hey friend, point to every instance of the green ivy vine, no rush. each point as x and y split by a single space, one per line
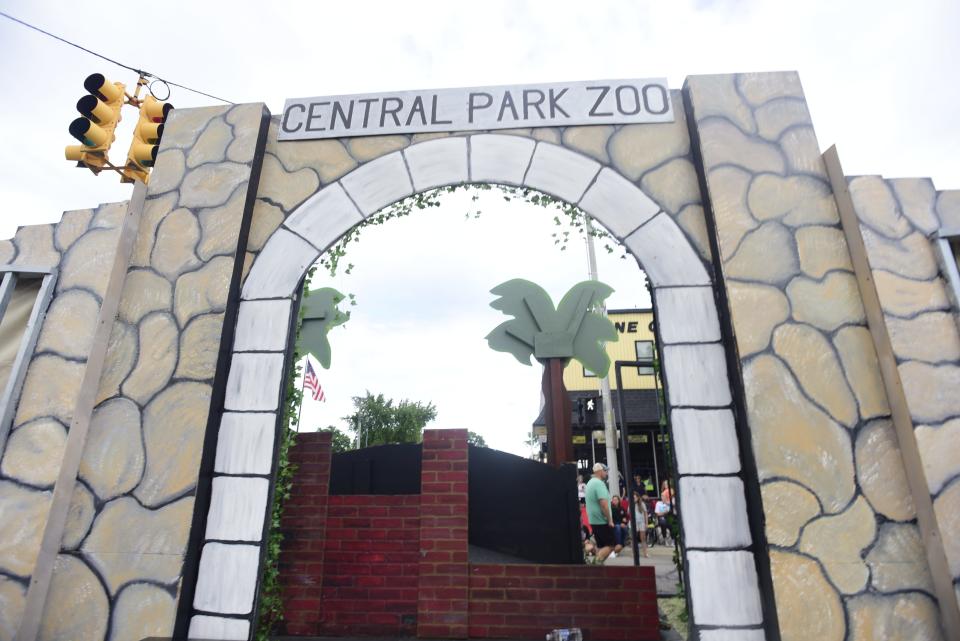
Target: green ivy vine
270 610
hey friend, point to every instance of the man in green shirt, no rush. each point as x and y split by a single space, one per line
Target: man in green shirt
598 511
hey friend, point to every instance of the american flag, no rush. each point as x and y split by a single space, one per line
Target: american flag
312 383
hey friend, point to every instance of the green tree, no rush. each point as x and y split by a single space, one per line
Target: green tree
341 442
377 420
475 439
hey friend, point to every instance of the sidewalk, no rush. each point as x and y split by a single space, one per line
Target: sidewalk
660 558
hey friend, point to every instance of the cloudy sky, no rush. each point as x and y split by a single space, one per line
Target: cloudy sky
880 78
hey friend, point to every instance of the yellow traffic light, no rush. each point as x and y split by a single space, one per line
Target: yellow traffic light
100 114
146 139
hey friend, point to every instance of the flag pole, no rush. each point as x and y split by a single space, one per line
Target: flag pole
303 386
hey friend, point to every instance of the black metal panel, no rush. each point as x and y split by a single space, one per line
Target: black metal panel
524 508
382 469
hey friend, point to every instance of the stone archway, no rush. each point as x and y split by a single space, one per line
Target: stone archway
723 579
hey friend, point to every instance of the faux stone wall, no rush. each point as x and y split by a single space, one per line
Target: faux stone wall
846 554
80 248
118 573
897 219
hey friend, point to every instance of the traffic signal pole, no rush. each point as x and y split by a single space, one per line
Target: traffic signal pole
609 425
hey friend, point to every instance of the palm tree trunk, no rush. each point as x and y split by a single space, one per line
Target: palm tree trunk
557 412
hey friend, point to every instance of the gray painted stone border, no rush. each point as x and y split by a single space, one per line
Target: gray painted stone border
699 391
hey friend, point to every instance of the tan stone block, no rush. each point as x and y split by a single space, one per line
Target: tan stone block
79 517
590 140
756 310
173 427
87 264
760 87
880 471
767 254
119 360
7 251
795 200
525 132
266 219
144 292
906 297
286 188
167 173
673 186
142 611
838 540
635 149
931 390
947 508
50 389
109 215
723 143
156 357
800 147
211 145
113 457
329 158
212 185
24 513
34 452
827 304
794 439
876 206
939 452
898 560
35 246
692 221
930 337
728 195
177 236
787 507
900 617
154 211
546 134
204 290
430 135
184 126
248 259
246 121
220 227
807 606
911 256
918 200
199 347
71 226
367 148
130 543
13 597
69 325
815 365
76 607
821 250
717 96
778 115
859 359
948 208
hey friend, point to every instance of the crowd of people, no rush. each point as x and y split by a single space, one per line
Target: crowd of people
605 519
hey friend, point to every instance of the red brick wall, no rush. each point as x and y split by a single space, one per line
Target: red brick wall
526 601
442 608
371 572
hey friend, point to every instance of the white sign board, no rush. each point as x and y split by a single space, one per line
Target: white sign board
601 102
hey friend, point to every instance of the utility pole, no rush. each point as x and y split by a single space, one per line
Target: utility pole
609 426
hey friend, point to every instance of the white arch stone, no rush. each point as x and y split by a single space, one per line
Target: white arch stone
695 361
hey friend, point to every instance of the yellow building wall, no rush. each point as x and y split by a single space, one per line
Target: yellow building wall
632 326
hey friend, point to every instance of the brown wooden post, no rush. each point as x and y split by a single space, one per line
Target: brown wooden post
557 410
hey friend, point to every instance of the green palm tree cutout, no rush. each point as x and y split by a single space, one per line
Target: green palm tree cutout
575 329
320 315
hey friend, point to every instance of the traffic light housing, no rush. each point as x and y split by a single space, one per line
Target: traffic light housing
95 129
146 139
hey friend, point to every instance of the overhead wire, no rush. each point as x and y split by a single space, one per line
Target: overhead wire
141 72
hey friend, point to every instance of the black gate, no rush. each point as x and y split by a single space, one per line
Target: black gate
382 469
524 508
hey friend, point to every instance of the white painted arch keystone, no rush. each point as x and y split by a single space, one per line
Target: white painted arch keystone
695 365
